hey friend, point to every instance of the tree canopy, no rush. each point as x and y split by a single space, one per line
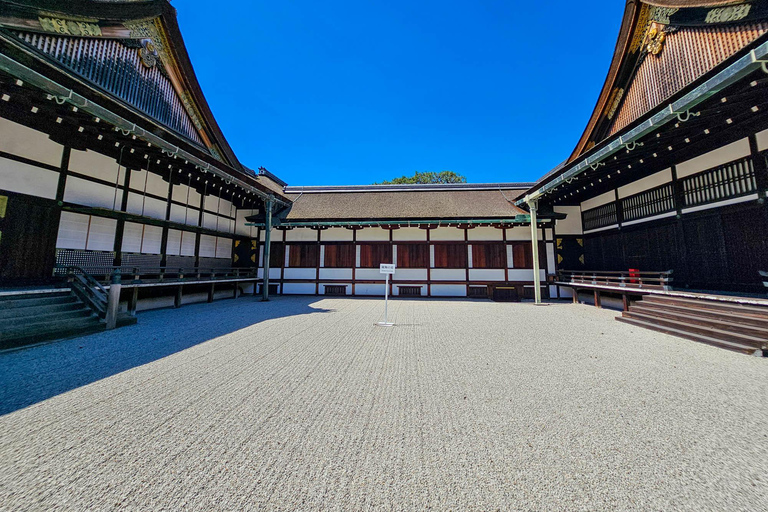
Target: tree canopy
426 177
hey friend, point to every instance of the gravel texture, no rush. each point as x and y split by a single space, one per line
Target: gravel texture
303 404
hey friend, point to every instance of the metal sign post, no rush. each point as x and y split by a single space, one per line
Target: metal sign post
388 269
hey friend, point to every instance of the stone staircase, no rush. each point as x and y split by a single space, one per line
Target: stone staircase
726 324
30 317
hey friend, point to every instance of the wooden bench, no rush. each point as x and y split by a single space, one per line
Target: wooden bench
623 282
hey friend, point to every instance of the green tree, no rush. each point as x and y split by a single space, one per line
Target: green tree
426 177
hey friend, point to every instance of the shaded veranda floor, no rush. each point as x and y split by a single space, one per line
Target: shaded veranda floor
302 404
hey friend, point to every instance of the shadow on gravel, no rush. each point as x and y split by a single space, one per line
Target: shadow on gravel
34 374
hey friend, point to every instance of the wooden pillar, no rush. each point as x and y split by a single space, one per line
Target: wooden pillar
760 166
317 266
625 301
63 171
598 303
133 301
177 299
164 241
120 228
354 264
267 246
211 290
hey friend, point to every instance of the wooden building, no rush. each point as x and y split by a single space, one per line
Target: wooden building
670 173
109 154
453 240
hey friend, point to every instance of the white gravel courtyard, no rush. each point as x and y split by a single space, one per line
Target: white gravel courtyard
303 404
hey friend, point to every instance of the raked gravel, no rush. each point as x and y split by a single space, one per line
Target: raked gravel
303 404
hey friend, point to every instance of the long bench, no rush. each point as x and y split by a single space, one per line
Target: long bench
623 282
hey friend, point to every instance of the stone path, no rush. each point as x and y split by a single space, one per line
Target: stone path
303 404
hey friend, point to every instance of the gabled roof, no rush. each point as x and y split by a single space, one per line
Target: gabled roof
415 202
663 46
132 50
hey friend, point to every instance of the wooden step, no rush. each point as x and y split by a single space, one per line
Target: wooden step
705 318
32 311
736 347
45 317
33 301
18 337
741 309
714 314
684 326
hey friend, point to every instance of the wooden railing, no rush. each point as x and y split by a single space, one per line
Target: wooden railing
618 279
88 289
167 275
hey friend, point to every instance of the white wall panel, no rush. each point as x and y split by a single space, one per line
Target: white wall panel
369 289
448 274
276 235
520 232
647 183
484 233
486 274
337 235
571 224
181 214
153 239
188 243
409 234
240 227
449 290
174 242
207 246
335 273
301 235
92 163
299 288
22 141
132 237
211 202
725 154
445 234
101 234
762 140
368 274
73 231
410 274
210 220
86 193
600 200
372 235
274 273
224 248
28 179
299 273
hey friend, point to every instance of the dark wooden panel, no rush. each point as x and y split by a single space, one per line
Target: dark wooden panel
450 256
705 251
372 255
413 256
304 255
489 255
339 256
277 254
746 246
28 230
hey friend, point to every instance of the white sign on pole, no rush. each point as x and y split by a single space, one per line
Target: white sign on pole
388 269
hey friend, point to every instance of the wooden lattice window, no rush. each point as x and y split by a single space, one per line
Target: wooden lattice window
304 255
734 179
372 255
450 256
409 291
339 256
648 203
599 217
489 255
413 255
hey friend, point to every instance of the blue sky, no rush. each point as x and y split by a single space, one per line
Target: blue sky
349 92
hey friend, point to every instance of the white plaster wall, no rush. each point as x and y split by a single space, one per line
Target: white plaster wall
188 243
484 233
301 235
448 274
410 274
372 235
336 235
446 234
449 290
86 193
725 154
409 234
647 183
299 288
571 225
101 234
224 248
762 140
600 200
174 242
73 230
510 257
132 236
240 227
181 214
367 274
274 273
335 273
28 179
551 257
524 274
153 239
299 273
19 140
369 289
276 235
209 220
97 165
149 207
207 246
519 233
486 274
